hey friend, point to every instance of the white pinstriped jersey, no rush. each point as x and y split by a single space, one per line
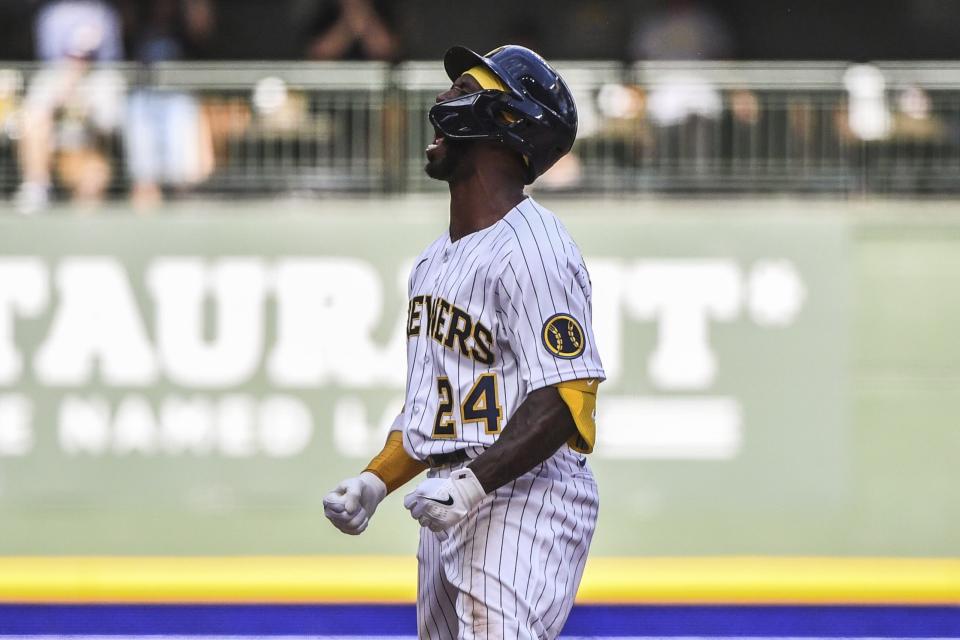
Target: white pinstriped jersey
512 568
492 317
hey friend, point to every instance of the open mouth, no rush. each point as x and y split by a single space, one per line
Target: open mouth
435 144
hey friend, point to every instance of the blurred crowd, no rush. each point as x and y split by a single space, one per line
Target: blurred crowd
78 102
83 118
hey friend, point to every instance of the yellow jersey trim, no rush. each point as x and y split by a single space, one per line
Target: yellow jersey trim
379 579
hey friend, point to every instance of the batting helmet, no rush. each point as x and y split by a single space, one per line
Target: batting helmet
536 117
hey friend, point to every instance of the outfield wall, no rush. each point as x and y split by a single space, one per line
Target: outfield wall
784 378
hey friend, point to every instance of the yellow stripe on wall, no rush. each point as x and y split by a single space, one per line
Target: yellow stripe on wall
368 579
758 580
333 579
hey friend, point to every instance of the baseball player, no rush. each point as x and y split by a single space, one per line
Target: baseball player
502 369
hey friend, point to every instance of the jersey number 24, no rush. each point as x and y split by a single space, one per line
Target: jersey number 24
482 405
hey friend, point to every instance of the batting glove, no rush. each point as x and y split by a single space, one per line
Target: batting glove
352 503
440 503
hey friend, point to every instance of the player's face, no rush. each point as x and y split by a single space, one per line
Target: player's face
445 157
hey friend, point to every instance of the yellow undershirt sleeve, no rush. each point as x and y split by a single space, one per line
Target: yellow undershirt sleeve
580 396
394 465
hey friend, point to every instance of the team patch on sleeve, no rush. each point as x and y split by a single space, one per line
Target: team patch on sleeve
563 336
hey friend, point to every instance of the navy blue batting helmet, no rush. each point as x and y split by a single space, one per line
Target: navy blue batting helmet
536 117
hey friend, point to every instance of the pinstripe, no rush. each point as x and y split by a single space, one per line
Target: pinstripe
546 277
543 263
533 289
473 368
576 257
414 365
444 587
459 286
533 331
457 578
483 307
449 276
560 270
548 563
516 376
437 583
589 526
427 570
421 585
473 562
553 542
503 531
553 250
466 273
571 540
483 565
581 537
429 346
560 552
482 276
520 343
591 349
575 540
437 362
468 562
411 366
534 559
465 618
523 511
407 442
512 567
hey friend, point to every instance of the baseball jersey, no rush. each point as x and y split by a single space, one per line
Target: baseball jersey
492 317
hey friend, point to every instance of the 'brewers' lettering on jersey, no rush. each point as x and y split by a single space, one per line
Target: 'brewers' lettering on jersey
491 317
450 326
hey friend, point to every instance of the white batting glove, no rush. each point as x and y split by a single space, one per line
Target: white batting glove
440 503
352 503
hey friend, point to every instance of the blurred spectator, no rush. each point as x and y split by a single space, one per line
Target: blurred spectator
682 102
165 139
526 31
10 85
71 107
868 116
354 30
683 30
68 28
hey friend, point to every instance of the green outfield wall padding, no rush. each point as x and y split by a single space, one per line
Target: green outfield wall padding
783 377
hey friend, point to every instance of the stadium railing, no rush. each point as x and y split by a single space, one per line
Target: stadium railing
698 127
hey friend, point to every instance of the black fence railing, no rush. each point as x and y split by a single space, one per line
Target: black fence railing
264 128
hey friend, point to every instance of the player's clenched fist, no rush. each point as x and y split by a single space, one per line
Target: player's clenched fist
352 503
440 503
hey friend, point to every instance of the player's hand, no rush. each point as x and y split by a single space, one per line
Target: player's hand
440 503
352 503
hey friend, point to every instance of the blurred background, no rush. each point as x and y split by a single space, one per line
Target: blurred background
208 210
147 100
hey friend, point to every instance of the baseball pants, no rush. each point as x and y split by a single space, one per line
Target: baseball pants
511 569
